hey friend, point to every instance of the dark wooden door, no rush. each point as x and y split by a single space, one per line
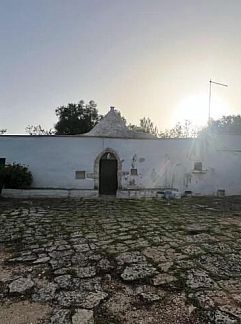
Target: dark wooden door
108 177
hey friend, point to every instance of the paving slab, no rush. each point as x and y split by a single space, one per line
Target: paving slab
122 261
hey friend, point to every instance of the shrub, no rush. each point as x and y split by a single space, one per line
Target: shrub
15 176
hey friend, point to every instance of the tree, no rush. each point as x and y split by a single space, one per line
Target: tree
38 130
145 126
2 131
185 130
230 124
76 118
15 176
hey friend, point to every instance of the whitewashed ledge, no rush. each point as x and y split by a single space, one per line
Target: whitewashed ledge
73 193
78 193
48 193
137 193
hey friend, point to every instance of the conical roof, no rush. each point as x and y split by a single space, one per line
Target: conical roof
112 125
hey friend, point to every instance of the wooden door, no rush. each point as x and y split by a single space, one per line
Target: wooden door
108 177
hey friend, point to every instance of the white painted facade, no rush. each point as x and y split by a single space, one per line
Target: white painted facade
159 163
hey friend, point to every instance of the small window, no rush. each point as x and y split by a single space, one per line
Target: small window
134 172
198 166
79 174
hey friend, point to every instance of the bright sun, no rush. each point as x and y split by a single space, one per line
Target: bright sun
195 109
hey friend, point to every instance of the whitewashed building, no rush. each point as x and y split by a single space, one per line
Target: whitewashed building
111 159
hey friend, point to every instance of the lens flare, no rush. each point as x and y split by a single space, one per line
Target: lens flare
195 109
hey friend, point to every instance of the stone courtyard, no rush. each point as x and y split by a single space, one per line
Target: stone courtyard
109 261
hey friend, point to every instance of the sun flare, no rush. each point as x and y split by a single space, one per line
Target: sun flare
195 109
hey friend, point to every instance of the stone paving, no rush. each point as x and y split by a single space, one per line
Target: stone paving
109 261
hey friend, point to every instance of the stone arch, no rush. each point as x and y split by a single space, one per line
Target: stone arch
97 163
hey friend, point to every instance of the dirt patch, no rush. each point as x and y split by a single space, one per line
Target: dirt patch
5 274
125 309
23 313
3 255
136 305
235 221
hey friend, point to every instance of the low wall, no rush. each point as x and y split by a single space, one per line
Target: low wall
72 193
137 193
48 193
75 193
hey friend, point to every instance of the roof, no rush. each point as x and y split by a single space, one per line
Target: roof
113 125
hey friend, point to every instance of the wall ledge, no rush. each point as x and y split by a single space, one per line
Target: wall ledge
48 193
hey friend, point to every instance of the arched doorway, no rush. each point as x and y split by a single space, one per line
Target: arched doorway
108 166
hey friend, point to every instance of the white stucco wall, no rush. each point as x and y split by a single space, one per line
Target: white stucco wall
53 161
222 158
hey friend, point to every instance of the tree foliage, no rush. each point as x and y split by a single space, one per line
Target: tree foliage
79 118
38 130
180 130
15 176
226 125
3 131
76 118
230 124
145 126
148 127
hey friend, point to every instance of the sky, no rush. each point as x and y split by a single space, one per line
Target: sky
148 58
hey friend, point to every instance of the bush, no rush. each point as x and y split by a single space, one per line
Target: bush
15 176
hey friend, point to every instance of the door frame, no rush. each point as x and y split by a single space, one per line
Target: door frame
96 168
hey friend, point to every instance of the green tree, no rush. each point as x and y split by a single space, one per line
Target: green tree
185 130
15 176
148 127
76 118
180 130
145 126
230 124
38 130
